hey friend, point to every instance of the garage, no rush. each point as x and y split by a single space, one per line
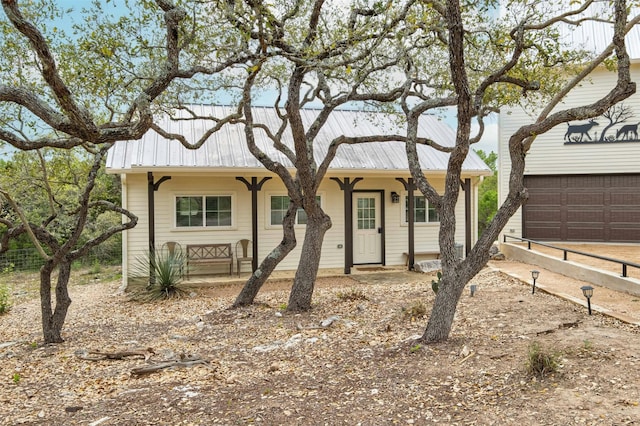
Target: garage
602 208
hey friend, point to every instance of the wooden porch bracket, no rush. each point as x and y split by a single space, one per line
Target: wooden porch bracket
347 187
254 186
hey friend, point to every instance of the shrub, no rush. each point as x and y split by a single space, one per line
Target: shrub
5 302
542 362
167 268
416 310
352 295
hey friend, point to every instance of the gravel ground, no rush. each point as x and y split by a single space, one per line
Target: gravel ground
351 360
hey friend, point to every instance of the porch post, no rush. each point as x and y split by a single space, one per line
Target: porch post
151 213
467 216
254 187
410 187
347 188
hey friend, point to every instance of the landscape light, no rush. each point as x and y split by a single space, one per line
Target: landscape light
534 274
473 288
587 290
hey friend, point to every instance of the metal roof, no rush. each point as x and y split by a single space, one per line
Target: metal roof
227 149
596 36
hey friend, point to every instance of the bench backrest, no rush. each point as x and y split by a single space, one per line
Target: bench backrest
208 251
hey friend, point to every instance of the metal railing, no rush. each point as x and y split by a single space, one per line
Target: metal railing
564 250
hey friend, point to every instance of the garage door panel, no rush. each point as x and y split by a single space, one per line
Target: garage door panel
585 199
583 208
625 216
574 215
542 215
544 182
545 198
625 198
629 181
625 235
577 233
547 232
585 181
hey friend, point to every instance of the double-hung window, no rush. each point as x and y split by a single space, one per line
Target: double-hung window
279 206
209 211
422 211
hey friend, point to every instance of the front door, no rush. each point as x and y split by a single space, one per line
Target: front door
367 228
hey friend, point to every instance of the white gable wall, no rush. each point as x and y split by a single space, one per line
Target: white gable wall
550 156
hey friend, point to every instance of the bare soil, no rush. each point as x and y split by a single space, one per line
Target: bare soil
262 365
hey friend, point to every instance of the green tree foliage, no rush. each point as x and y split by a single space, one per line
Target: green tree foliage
47 184
82 88
487 192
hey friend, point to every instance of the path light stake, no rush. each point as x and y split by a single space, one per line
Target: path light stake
587 290
473 288
534 274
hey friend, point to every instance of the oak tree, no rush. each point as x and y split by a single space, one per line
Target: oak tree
487 61
320 54
83 86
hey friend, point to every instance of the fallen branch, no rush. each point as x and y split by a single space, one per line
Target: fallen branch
183 362
466 357
99 355
560 326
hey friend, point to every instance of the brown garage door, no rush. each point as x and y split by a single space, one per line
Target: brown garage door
582 208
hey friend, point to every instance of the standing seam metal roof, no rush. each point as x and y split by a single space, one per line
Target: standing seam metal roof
227 149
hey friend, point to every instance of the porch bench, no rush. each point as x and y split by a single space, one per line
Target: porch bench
435 253
209 254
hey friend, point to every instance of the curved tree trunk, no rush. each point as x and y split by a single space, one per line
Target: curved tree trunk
53 318
456 274
260 276
444 309
302 291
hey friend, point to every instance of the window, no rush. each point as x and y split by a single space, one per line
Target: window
366 209
279 207
203 211
422 211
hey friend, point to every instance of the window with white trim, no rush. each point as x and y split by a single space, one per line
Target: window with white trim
280 204
209 211
422 211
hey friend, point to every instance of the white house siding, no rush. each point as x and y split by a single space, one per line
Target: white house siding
136 240
550 156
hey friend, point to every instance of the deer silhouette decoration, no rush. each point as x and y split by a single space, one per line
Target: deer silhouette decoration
580 129
628 132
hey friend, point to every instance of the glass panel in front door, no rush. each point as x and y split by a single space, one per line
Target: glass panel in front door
366 213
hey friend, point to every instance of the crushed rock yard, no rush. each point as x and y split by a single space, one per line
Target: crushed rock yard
351 360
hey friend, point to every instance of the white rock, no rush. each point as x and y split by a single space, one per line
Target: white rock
327 322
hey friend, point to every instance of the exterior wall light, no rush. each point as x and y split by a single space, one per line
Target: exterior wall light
395 197
587 290
534 274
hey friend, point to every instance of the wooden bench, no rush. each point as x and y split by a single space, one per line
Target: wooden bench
435 253
209 254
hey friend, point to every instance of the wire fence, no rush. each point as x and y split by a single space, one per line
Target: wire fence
30 259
